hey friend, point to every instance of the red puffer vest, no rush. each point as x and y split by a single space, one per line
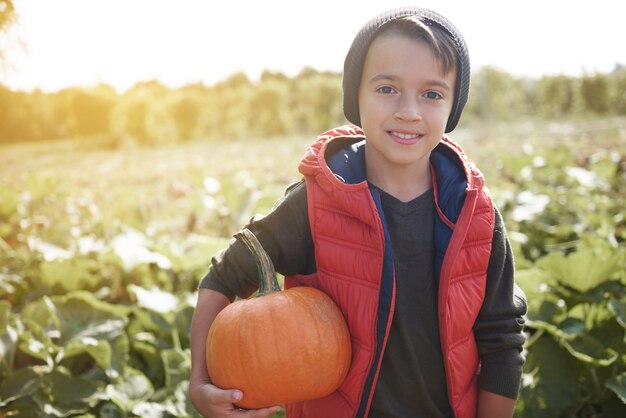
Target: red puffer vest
354 265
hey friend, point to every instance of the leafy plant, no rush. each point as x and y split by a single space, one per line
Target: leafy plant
98 276
576 326
574 277
65 355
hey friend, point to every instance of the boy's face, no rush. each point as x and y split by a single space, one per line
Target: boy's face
404 102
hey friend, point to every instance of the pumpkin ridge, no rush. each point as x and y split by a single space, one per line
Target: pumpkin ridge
311 320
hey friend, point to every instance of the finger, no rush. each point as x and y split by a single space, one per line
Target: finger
226 395
215 402
235 395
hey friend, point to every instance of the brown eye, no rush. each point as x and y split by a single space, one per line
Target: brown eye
433 95
385 90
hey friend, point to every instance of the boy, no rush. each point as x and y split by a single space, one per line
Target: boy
395 225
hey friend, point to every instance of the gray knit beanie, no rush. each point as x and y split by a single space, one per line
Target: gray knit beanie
353 64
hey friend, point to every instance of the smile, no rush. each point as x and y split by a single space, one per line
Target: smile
405 138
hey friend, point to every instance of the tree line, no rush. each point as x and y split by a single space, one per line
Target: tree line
276 104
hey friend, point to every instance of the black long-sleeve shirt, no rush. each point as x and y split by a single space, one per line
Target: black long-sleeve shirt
412 378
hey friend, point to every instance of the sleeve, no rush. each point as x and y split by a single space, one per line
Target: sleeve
285 235
499 326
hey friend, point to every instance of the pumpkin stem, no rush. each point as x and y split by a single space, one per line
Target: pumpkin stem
267 274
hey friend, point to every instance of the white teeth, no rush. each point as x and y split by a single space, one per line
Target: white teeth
404 136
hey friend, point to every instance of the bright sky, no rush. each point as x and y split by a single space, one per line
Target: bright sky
60 43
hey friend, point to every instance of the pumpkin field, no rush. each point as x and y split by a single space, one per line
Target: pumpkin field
102 247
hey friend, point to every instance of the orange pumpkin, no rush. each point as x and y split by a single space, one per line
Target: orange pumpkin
280 347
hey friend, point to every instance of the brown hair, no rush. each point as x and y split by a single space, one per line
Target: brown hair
441 44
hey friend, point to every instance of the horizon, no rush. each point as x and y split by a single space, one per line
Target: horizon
254 80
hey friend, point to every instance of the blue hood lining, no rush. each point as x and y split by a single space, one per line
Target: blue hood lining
346 159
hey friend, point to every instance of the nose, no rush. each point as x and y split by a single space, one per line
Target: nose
408 109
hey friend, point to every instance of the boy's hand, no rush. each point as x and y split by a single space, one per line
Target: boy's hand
208 399
213 402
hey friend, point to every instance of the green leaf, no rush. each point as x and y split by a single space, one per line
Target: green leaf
582 270
182 324
549 366
66 275
82 315
618 385
75 312
548 312
132 388
168 402
536 284
85 325
593 297
534 281
110 410
618 307
120 348
34 342
147 320
8 339
43 312
67 395
177 364
589 350
24 408
99 350
572 326
22 383
183 401
147 358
